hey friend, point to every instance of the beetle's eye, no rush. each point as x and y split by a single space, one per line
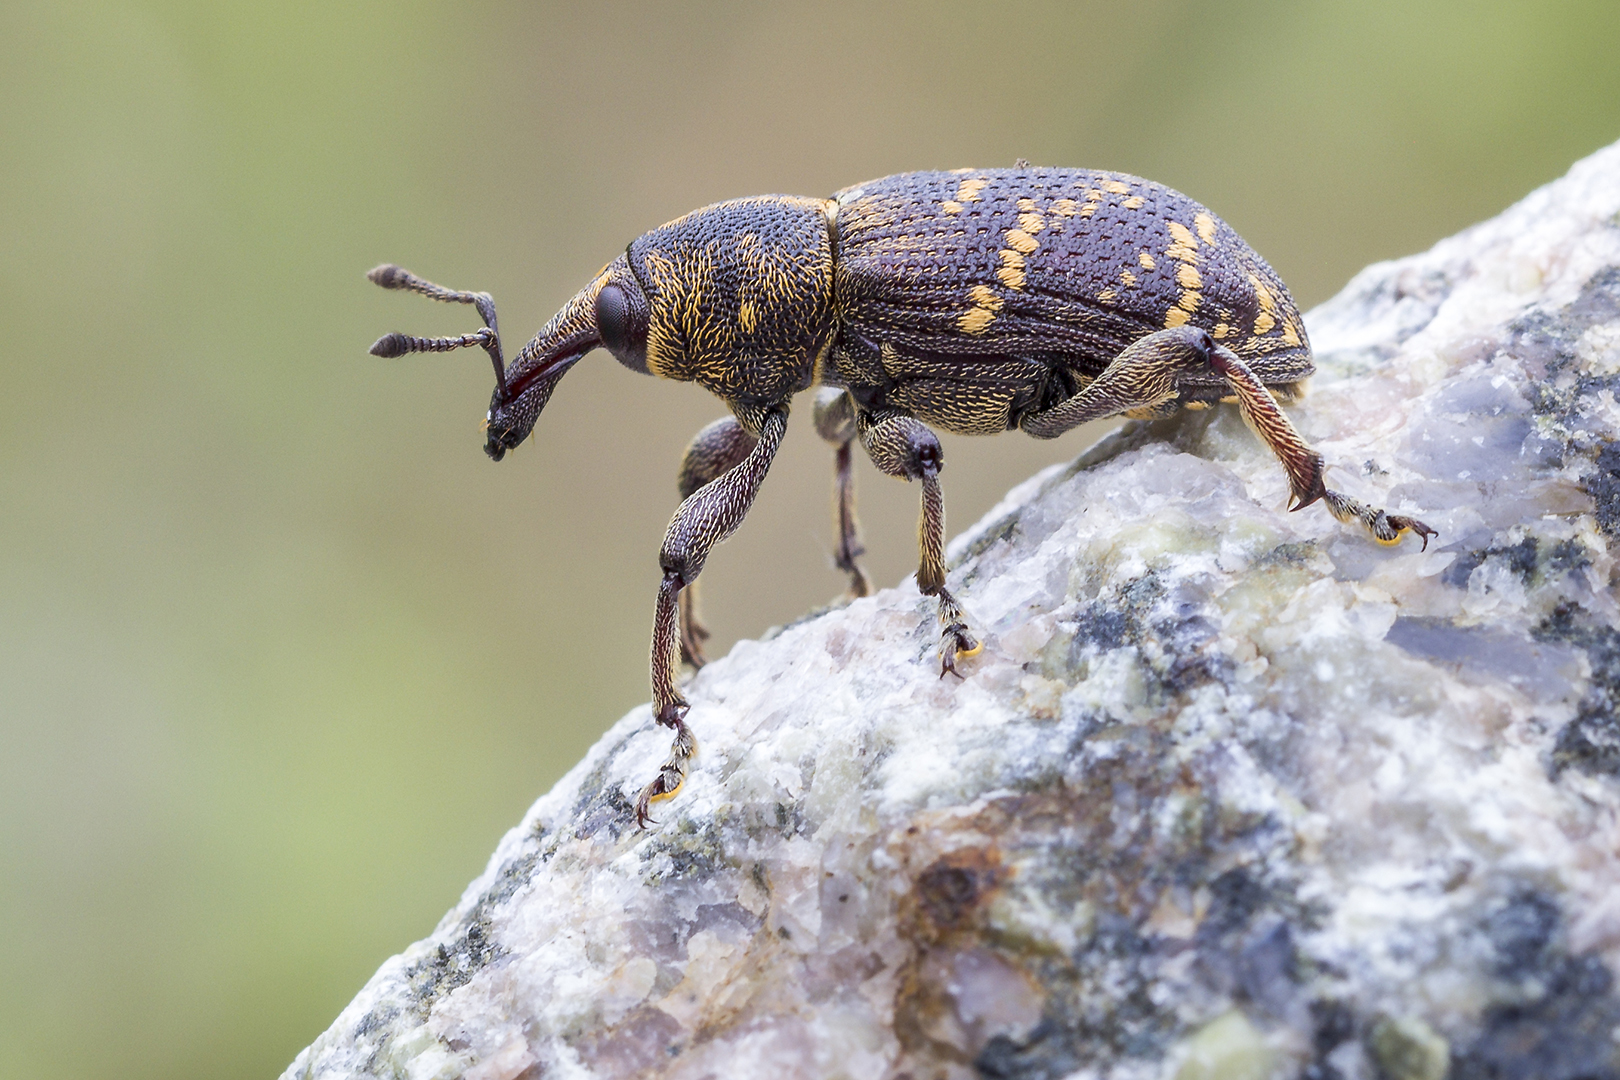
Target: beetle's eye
612 318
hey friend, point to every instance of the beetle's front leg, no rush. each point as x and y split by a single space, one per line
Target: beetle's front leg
835 422
706 517
712 451
903 446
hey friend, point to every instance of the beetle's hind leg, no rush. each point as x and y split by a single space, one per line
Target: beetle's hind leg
835 422
1303 464
902 446
712 451
707 516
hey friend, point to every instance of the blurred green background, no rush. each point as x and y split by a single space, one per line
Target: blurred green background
281 652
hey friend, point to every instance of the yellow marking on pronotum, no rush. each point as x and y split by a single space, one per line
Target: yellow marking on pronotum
1146 260
951 206
1127 277
1175 317
1135 202
1064 207
1012 268
1187 276
969 189
1189 300
1206 227
1019 240
1031 223
1116 187
1263 323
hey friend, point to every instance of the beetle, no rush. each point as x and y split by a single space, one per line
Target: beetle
977 301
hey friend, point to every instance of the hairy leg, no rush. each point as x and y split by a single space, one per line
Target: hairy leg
706 517
902 446
717 448
1143 379
835 422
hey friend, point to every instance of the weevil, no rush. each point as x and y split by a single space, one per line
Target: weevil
976 301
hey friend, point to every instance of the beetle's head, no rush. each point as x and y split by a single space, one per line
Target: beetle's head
611 311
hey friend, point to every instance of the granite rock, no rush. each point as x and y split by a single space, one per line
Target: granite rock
1231 792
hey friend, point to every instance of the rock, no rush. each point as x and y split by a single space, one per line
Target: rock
1231 792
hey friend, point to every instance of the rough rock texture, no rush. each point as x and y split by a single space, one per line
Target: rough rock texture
1231 792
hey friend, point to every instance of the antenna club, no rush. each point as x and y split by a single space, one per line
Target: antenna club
390 345
388 276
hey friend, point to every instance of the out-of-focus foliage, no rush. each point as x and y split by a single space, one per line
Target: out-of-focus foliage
281 652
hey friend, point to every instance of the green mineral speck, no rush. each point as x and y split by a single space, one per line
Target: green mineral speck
1409 1049
1227 1048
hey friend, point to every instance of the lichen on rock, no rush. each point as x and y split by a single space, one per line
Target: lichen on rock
1231 792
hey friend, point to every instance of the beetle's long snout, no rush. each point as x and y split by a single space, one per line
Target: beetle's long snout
535 372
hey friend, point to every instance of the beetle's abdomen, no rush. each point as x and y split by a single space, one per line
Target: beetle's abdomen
1063 263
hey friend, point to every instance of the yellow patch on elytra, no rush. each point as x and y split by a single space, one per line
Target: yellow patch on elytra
1116 187
974 320
1019 240
1175 317
984 297
1187 276
1220 331
1189 301
1031 223
1268 303
985 305
1135 202
1012 268
1106 295
747 317
951 206
1290 335
1146 260
1088 209
1263 323
1183 244
1064 207
1027 205
1127 277
1205 226
968 190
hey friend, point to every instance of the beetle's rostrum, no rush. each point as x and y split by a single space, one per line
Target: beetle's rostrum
978 301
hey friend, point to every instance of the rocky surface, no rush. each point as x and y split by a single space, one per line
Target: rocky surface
1231 792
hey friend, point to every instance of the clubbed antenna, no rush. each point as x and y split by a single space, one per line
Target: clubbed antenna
390 276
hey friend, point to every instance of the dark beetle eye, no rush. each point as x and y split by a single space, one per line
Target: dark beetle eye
612 318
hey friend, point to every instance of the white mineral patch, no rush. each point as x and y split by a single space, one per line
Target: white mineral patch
1231 792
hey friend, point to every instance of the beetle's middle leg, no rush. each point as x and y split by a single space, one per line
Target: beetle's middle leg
902 446
835 422
712 451
706 517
